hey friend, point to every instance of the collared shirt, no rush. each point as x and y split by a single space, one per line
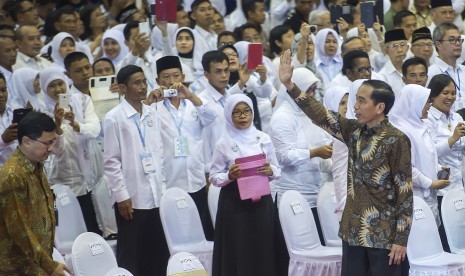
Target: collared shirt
123 149
422 20
38 63
391 76
6 149
185 172
148 66
27 227
7 74
70 162
328 72
378 211
207 41
458 75
441 128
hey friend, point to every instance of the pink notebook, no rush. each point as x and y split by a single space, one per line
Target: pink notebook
252 185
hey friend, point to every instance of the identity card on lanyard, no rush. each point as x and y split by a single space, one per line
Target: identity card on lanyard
146 157
181 143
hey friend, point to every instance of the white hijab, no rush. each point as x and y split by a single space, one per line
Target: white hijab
320 46
333 97
406 116
242 48
188 68
350 114
118 36
55 44
46 77
22 86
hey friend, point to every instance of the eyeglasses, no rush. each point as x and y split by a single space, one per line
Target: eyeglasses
398 45
238 113
48 143
226 44
452 40
422 44
365 69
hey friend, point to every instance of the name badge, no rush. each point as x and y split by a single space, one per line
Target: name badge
181 146
147 163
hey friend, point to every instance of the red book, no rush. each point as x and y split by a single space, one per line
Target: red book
255 55
165 10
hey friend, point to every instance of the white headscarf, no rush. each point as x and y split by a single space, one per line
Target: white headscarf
303 78
406 116
55 44
118 36
350 114
22 86
242 48
333 97
46 77
240 136
188 66
320 46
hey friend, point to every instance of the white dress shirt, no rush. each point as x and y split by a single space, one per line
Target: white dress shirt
38 63
391 76
441 128
458 75
185 172
6 148
204 40
328 72
148 65
280 10
122 155
71 159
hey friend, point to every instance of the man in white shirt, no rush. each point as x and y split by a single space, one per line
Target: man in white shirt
29 45
8 53
422 45
71 164
415 71
396 47
8 130
183 119
133 164
441 12
448 43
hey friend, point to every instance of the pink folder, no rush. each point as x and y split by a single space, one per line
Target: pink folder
252 185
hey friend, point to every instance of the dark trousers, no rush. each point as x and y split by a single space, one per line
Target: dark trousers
88 211
442 231
201 201
141 246
364 261
318 225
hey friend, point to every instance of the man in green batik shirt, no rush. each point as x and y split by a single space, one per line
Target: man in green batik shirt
27 218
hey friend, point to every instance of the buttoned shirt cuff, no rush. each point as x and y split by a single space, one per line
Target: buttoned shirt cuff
121 195
203 107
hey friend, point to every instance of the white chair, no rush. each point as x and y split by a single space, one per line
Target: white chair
118 271
57 257
213 197
424 248
453 217
70 220
307 255
103 205
182 226
92 255
326 205
185 264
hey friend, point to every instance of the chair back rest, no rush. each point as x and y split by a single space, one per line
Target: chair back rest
180 219
70 219
423 240
103 204
57 257
213 197
92 255
118 271
297 221
326 205
453 217
185 264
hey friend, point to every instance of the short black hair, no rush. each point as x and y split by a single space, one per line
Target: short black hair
438 83
126 72
15 9
349 58
73 57
34 124
4 27
225 33
399 17
346 41
213 56
277 34
129 26
382 93
413 61
249 5
239 31
7 36
197 3
85 14
103 59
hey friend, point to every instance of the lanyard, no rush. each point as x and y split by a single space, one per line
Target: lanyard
142 137
177 123
457 84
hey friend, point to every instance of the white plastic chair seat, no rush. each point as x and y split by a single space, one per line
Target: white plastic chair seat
334 243
201 247
118 271
326 206
439 262
320 253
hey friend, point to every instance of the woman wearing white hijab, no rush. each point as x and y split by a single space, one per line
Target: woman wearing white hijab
113 45
407 113
53 82
328 58
247 233
61 45
25 89
300 145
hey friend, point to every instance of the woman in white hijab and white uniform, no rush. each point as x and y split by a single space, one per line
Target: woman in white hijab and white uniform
113 45
247 233
407 113
25 89
328 58
301 146
61 45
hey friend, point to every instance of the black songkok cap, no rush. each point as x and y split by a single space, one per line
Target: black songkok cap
441 3
168 62
421 33
394 35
